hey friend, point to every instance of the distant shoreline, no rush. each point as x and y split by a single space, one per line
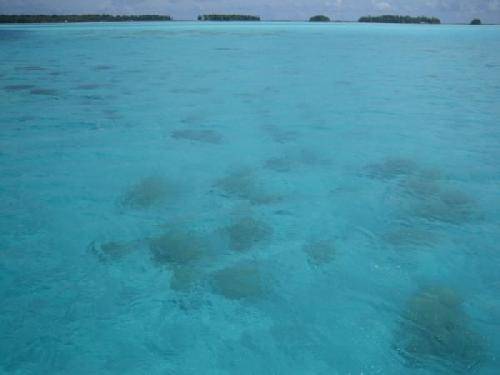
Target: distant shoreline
62 19
78 18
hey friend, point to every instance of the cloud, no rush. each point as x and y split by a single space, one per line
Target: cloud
447 10
381 5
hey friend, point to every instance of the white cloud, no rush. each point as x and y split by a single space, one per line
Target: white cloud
381 5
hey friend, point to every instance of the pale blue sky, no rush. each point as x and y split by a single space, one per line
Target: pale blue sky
447 10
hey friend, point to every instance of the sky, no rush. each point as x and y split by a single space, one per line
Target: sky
446 10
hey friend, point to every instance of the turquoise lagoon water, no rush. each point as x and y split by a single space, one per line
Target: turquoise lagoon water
272 198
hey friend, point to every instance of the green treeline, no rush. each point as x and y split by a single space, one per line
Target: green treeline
475 21
319 18
42 18
227 17
388 18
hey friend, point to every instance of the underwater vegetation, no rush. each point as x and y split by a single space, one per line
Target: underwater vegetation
31 68
148 192
103 67
110 251
309 158
391 168
434 199
185 278
420 186
410 236
243 184
247 232
48 92
436 328
286 163
279 135
177 248
88 86
111 114
184 252
320 252
12 88
445 204
431 196
239 281
199 135
281 164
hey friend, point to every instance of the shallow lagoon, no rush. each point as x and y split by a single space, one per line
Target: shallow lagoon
272 198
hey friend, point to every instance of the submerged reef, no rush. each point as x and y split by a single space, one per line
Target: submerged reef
47 92
177 247
320 253
243 184
435 328
279 135
246 233
281 164
185 278
148 192
419 186
447 205
239 281
428 195
89 86
103 67
434 199
11 88
410 236
288 162
111 250
391 168
31 68
199 135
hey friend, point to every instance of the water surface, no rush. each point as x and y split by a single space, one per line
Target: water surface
272 198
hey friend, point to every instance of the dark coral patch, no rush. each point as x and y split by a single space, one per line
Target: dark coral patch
149 192
185 278
103 67
436 328
450 206
46 92
282 164
32 68
239 281
246 233
18 87
199 135
89 86
280 135
410 237
177 248
243 184
320 252
111 250
391 168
